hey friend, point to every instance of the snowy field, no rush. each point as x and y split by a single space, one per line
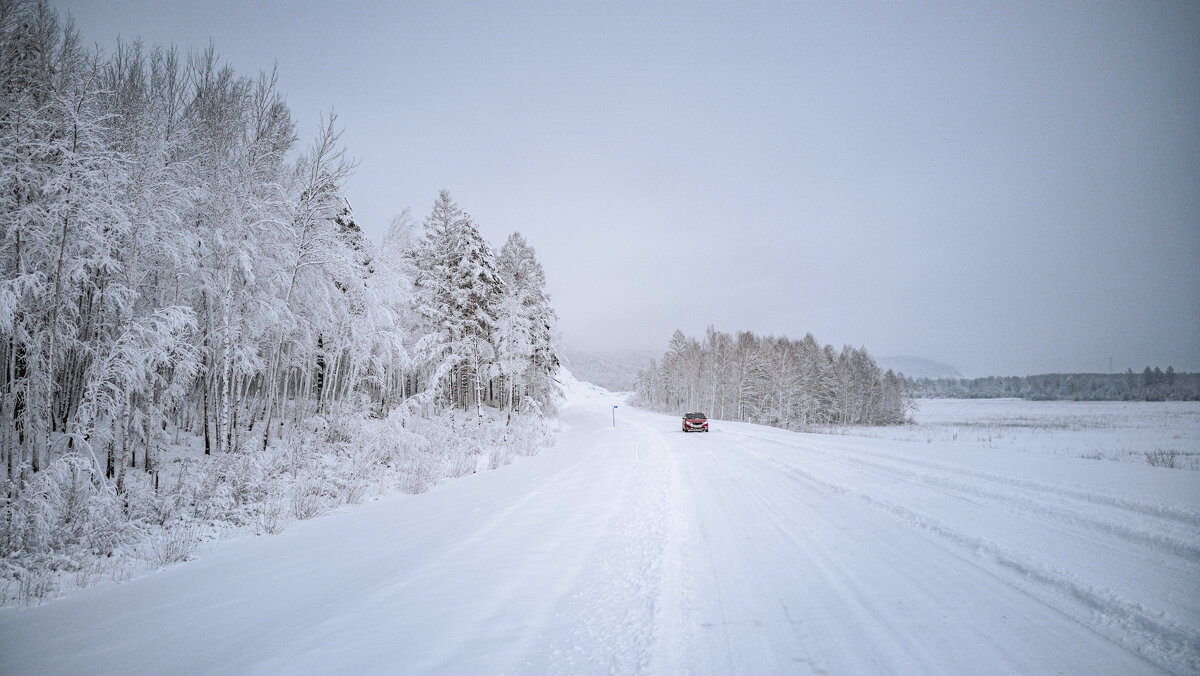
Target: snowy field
1161 433
639 549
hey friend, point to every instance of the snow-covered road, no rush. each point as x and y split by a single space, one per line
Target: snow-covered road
642 549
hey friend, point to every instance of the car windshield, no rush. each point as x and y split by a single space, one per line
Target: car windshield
695 416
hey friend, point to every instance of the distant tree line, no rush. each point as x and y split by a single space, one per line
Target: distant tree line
777 381
1152 384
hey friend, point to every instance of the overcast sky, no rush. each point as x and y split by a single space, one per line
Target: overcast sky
1006 187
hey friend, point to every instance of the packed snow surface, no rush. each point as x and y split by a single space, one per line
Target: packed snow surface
638 548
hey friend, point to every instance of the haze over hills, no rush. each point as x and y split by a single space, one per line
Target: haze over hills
614 370
918 367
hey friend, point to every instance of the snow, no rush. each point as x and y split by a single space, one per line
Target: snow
1098 430
638 548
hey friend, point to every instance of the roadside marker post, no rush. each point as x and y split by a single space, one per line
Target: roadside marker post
614 415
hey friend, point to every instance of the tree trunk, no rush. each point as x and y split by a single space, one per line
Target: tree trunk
124 460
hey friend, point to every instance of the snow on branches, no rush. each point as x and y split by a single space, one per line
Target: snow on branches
487 319
173 275
168 269
794 384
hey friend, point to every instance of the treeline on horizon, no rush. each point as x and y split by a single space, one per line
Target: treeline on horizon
776 381
1152 384
168 262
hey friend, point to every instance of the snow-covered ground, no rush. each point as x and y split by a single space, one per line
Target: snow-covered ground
1098 430
637 548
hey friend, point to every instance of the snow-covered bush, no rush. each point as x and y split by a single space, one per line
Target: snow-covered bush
69 525
1161 458
176 544
498 456
272 517
462 465
526 436
63 517
308 498
64 510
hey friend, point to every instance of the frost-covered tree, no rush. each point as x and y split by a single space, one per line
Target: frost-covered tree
58 217
140 198
461 291
526 356
392 283
173 270
317 253
169 266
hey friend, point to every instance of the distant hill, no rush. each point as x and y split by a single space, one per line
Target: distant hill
918 367
614 370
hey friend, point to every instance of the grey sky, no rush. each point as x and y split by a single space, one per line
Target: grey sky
1007 187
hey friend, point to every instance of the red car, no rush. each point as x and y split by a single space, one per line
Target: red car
695 422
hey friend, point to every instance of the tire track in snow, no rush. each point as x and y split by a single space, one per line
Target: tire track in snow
1142 631
720 634
673 609
837 447
475 542
777 505
1161 543
1183 515
609 618
806 578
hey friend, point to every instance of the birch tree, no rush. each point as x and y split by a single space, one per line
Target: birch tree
773 380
